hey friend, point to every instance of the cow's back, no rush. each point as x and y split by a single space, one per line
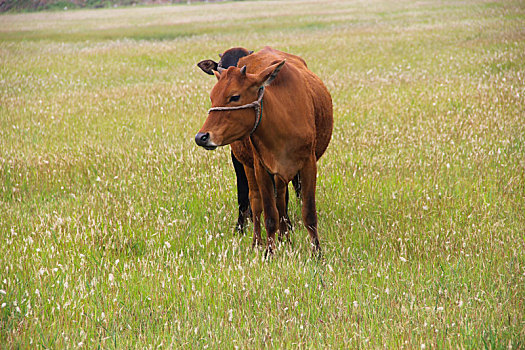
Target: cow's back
260 60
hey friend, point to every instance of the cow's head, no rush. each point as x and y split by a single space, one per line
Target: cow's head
229 58
235 87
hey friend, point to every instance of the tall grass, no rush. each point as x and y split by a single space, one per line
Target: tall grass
117 231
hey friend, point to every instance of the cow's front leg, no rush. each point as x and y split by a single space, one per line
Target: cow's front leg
308 182
256 204
271 215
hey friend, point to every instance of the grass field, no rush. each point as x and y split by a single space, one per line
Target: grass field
117 231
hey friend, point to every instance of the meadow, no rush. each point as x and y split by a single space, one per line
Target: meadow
117 231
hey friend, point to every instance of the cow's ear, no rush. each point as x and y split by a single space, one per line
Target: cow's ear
208 66
266 77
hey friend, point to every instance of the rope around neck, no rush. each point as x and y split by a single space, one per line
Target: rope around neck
257 105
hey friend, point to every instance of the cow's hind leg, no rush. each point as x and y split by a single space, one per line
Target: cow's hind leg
242 194
256 204
308 182
281 189
296 182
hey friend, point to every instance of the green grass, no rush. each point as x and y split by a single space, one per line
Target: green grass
117 231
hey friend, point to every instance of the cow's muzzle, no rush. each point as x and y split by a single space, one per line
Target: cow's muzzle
203 139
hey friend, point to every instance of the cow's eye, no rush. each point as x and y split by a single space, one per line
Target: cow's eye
235 98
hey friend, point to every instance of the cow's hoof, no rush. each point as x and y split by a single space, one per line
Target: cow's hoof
268 253
317 253
256 243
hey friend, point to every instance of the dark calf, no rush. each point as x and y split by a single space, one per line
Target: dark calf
228 59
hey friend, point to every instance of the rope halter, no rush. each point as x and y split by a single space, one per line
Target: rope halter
256 105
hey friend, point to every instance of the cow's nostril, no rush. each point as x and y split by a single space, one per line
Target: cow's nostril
202 138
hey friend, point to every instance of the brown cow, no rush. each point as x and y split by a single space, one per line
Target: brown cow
289 131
